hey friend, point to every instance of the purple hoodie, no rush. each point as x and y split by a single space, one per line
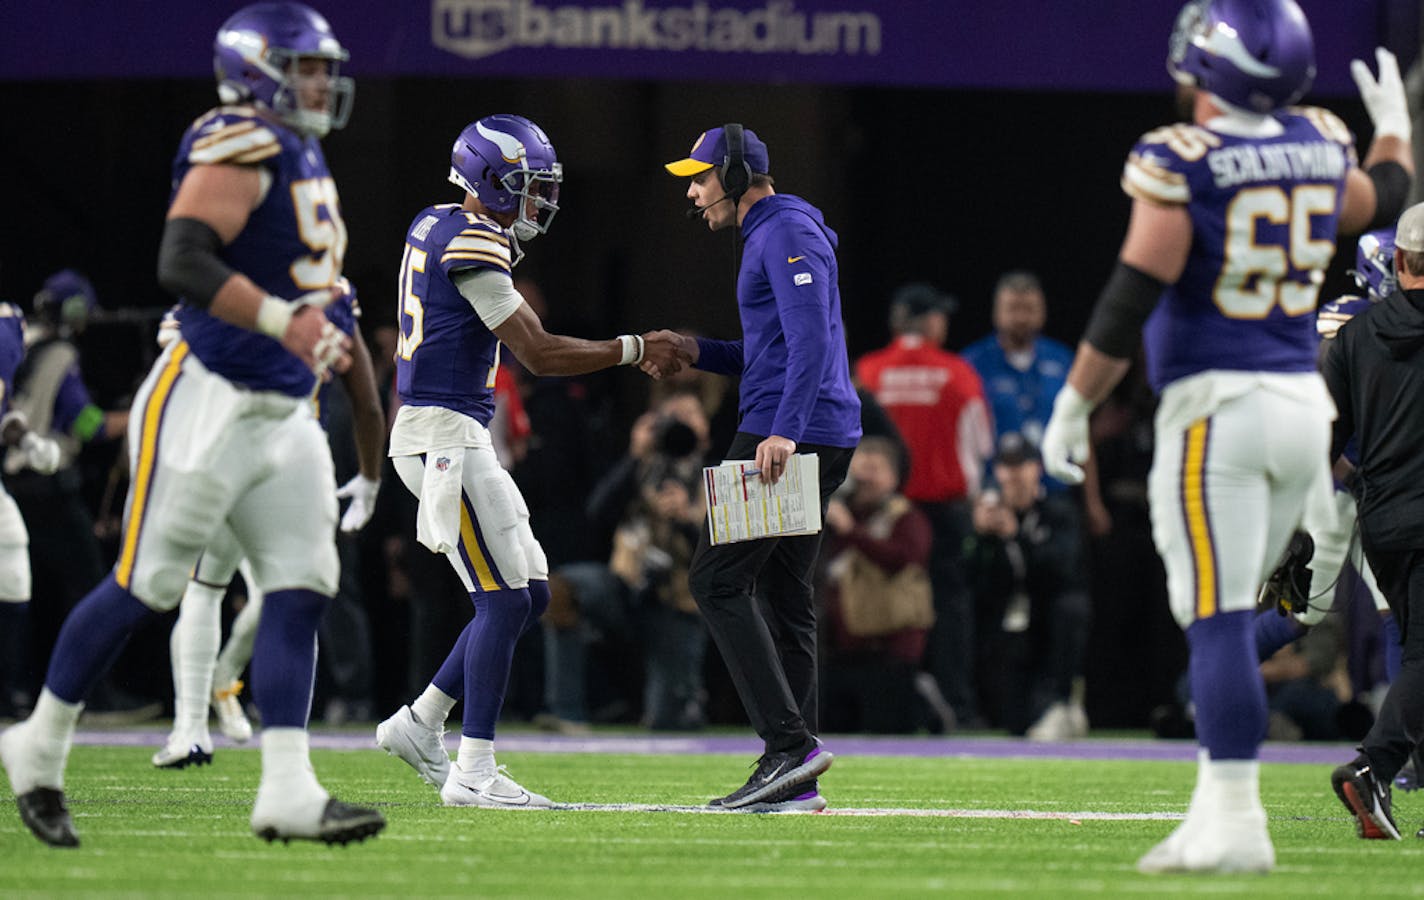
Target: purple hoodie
792 355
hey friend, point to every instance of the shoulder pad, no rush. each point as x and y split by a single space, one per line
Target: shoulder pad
1156 168
1330 126
235 135
1337 312
471 239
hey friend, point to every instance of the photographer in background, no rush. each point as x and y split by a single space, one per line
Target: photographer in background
1025 564
652 501
877 595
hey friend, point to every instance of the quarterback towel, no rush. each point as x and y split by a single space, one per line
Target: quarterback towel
437 521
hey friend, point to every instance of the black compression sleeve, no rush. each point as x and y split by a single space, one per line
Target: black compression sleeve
1124 305
188 262
1392 183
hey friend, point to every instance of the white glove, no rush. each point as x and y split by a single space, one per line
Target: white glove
1065 439
41 453
1385 99
362 492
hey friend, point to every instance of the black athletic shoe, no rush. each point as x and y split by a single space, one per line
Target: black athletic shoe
804 796
44 812
776 771
1408 778
341 823
1367 798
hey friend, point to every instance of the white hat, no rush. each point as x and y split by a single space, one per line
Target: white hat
1409 233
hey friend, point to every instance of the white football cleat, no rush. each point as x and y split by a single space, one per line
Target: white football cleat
419 745
232 721
493 789
1231 842
180 753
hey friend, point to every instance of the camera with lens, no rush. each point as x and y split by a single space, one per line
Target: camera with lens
676 453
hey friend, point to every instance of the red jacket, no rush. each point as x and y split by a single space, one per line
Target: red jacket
936 400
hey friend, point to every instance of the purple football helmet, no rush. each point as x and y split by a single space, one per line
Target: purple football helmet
507 161
255 59
1374 263
1256 55
65 300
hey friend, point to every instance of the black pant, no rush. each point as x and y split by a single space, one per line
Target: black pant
757 600
1400 724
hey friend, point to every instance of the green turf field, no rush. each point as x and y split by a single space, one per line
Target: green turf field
149 833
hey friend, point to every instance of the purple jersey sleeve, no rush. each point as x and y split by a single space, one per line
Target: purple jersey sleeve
12 350
71 400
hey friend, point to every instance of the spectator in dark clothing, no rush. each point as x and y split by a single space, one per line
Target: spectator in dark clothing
1025 561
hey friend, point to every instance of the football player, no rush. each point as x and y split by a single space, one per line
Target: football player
194 641
222 431
458 307
1234 219
43 455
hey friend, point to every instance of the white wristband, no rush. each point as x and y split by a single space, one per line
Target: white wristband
632 349
273 316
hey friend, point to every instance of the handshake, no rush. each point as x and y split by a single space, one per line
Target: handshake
665 353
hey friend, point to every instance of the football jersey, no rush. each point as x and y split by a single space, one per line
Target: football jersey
446 356
293 243
12 350
1264 210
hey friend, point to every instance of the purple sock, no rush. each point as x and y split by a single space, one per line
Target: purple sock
538 602
1393 648
93 636
1274 631
499 620
284 657
1226 686
451 677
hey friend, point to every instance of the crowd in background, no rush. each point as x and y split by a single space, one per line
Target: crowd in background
959 587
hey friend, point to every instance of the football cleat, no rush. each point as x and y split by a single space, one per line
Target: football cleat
1367 799
181 756
1224 843
45 813
340 823
419 745
232 721
775 771
493 789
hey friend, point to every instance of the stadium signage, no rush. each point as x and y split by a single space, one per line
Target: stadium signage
479 28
